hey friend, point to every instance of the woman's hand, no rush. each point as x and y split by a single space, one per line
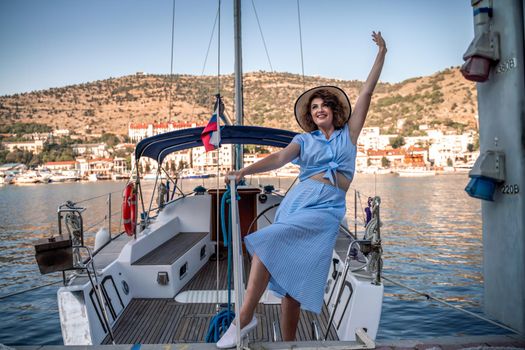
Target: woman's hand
360 111
238 176
378 39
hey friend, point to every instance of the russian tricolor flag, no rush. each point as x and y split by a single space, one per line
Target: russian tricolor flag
211 135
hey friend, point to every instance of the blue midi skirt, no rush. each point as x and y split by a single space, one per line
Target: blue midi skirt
297 248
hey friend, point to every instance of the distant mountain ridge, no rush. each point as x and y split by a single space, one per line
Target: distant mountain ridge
443 100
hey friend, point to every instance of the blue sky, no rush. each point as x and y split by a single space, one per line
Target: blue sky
55 43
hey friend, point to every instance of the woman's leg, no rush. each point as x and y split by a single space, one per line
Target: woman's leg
290 311
257 282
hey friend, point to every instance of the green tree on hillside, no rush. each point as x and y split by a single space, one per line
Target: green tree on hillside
24 128
255 149
19 156
385 163
51 153
182 165
109 139
3 154
397 141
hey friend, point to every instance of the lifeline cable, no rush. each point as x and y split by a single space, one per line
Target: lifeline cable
171 64
262 36
301 42
275 81
96 197
206 56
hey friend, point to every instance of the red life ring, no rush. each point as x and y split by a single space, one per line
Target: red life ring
129 202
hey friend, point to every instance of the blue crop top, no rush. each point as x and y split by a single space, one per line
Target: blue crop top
318 154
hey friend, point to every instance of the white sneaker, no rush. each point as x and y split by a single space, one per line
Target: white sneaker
229 338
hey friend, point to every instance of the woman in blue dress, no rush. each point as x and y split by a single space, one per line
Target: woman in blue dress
292 256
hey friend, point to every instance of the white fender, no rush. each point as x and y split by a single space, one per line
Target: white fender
102 237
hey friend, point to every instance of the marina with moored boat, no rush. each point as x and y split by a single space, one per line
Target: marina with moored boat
165 278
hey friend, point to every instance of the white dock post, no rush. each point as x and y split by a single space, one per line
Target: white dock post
501 106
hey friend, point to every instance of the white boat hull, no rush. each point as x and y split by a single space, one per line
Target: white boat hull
124 280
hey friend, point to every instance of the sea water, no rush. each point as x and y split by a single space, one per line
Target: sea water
431 232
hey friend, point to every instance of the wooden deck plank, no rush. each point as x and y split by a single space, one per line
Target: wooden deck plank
129 320
158 323
302 326
142 332
168 335
165 334
135 333
145 321
168 252
174 311
263 325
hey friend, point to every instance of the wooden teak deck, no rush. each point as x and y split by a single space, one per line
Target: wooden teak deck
166 321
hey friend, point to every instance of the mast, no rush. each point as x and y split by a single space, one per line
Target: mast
239 105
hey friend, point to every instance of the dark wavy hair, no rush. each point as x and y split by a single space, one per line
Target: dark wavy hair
335 105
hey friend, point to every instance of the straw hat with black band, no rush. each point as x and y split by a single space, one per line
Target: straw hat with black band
302 108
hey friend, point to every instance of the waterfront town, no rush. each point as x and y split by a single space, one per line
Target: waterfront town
435 151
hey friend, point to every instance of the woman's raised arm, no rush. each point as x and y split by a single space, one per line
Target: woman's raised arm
357 120
271 162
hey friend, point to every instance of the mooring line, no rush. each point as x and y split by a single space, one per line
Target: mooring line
28 290
429 296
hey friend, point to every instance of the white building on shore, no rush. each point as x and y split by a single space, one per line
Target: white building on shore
62 165
207 161
434 148
371 138
35 146
139 131
450 149
441 147
95 150
195 158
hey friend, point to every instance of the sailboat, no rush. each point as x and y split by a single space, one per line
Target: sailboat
165 279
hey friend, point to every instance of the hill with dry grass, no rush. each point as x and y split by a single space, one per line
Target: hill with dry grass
443 100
